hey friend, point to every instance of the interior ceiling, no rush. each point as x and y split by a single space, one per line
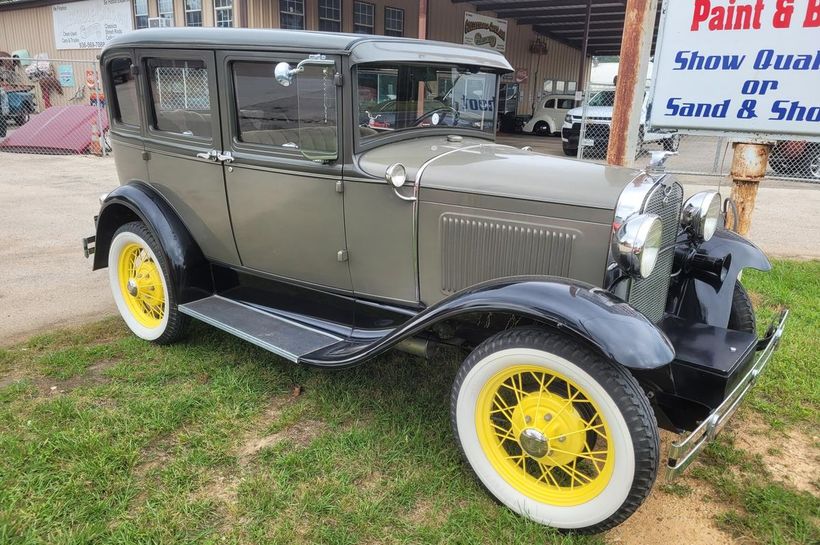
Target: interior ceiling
564 20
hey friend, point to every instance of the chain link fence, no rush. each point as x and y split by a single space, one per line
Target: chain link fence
587 137
52 106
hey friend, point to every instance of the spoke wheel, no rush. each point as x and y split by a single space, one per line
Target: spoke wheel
141 286
544 435
554 431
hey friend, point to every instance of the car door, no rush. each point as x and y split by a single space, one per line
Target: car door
182 134
283 184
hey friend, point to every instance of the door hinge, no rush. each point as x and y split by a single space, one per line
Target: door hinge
341 256
146 156
338 79
340 186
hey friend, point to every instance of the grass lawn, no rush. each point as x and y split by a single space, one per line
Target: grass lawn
108 439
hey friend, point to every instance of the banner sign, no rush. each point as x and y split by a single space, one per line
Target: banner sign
486 32
91 23
738 66
65 75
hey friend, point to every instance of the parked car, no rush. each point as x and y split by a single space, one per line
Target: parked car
593 304
796 158
549 115
21 102
599 119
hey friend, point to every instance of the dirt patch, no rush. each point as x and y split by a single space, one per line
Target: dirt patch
672 518
791 456
94 375
301 433
427 513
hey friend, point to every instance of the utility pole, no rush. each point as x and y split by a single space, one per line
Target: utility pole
582 70
636 44
749 164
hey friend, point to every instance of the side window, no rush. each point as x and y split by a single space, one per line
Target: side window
126 105
550 103
180 96
299 117
566 104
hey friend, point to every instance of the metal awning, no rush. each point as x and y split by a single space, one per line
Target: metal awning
564 20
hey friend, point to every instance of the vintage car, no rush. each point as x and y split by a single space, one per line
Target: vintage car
594 306
549 114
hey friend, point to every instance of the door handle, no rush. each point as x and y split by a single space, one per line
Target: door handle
225 157
208 155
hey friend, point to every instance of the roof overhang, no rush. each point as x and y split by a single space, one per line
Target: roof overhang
564 20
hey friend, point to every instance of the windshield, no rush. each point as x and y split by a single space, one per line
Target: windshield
394 97
604 98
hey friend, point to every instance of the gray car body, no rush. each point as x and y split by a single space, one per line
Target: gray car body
483 209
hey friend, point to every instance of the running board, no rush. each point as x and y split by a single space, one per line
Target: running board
283 337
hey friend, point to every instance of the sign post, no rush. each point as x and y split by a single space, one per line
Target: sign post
747 69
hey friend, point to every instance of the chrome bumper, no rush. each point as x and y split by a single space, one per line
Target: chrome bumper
687 447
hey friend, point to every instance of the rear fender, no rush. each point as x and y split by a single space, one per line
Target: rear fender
711 303
189 270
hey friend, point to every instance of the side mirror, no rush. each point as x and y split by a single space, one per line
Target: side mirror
285 75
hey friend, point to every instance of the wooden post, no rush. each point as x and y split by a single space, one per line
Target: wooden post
636 43
749 164
582 70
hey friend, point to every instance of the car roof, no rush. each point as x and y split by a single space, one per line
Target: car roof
360 47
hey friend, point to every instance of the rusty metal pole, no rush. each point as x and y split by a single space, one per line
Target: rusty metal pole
582 70
636 43
422 19
749 164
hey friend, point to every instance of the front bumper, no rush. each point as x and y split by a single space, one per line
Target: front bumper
687 446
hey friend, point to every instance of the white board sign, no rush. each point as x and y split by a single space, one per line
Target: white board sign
483 31
749 67
91 23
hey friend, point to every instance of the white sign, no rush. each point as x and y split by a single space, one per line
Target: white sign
91 23
740 66
483 31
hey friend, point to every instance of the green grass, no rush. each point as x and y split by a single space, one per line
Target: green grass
107 439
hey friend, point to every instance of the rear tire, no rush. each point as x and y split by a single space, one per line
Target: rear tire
522 406
542 128
141 285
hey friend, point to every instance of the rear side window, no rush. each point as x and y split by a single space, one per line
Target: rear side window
566 104
180 96
126 106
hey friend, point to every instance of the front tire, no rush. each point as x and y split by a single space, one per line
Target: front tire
141 285
554 431
742 313
570 152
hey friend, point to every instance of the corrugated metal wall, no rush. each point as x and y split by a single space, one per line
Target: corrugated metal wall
560 62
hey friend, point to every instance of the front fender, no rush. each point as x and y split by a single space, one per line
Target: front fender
189 270
617 330
711 304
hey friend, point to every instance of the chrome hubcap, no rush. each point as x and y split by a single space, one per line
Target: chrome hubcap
534 442
131 286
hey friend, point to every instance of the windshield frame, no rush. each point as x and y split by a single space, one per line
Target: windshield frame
361 145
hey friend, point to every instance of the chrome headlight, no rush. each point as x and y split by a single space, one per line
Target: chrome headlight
637 243
701 213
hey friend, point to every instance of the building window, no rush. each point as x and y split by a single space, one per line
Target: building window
364 17
393 21
330 15
223 13
193 12
141 14
166 9
292 14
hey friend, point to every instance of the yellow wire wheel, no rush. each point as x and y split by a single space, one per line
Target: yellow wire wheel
544 435
140 285
555 431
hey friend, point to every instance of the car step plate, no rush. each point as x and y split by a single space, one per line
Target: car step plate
278 335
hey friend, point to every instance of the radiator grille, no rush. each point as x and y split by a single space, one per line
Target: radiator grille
648 295
475 249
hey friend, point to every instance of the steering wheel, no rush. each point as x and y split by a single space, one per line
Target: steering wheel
442 113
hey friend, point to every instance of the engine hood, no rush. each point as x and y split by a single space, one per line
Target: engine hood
598 112
486 168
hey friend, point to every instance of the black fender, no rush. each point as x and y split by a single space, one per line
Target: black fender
189 270
609 324
710 302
